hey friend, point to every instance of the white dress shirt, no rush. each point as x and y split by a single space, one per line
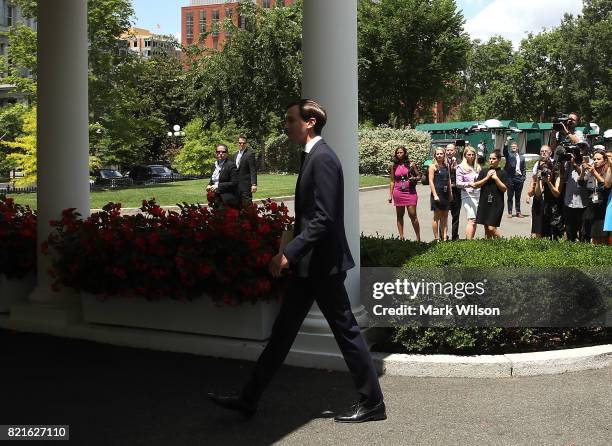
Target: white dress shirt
310 144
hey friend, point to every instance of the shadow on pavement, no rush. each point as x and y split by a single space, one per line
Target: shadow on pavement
111 395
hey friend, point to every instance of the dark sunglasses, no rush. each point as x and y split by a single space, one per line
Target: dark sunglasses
221 151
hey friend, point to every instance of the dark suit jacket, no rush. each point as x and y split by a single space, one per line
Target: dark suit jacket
510 166
247 171
319 247
228 184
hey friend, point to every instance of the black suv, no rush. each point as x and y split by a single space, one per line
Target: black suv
152 174
110 178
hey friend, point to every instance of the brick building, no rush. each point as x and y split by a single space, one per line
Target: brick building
207 15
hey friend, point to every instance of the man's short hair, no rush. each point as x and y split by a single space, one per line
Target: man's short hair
311 109
242 136
221 145
574 113
514 143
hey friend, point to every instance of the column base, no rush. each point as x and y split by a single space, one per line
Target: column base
45 314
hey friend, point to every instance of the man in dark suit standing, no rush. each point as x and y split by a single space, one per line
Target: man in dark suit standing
247 172
224 180
319 255
515 168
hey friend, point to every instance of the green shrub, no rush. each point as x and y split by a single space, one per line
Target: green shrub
377 147
198 153
282 155
515 252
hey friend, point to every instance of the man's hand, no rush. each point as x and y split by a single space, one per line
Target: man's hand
278 263
254 188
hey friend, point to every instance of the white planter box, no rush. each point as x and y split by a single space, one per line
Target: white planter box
15 290
200 316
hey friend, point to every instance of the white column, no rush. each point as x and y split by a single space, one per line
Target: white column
62 131
329 44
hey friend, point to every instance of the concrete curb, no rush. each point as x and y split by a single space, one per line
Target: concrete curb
285 198
495 366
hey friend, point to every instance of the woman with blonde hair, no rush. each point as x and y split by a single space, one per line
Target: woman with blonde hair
467 172
441 193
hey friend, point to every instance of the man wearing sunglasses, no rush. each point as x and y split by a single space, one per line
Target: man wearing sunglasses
247 172
224 180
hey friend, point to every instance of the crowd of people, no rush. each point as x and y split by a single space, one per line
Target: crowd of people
569 191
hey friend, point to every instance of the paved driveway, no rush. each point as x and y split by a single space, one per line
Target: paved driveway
122 396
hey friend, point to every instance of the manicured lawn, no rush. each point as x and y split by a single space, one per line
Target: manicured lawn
191 191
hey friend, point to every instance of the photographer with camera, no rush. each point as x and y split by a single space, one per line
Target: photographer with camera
564 131
546 219
599 175
575 194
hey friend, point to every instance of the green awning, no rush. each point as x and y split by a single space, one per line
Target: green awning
545 125
528 126
446 126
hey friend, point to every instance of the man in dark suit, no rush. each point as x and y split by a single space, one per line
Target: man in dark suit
247 172
224 180
319 255
515 168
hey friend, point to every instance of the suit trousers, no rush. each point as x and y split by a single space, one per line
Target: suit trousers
515 188
331 296
246 198
455 210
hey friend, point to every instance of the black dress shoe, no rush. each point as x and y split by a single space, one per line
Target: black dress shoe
359 412
234 401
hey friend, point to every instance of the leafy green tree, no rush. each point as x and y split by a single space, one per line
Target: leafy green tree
23 155
410 53
255 76
11 126
198 154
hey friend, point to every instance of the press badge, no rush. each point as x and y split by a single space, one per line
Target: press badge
490 198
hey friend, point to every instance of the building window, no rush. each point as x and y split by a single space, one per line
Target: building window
202 21
216 43
135 43
189 23
265 3
228 15
10 15
215 22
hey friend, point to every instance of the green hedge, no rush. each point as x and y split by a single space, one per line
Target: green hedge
377 147
514 252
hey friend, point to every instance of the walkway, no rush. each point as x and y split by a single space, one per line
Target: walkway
121 396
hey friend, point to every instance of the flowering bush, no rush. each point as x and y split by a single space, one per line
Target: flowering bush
177 255
17 239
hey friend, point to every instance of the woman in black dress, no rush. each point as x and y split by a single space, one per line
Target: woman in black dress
492 184
441 193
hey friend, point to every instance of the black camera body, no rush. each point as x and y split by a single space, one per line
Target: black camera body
544 172
560 120
579 151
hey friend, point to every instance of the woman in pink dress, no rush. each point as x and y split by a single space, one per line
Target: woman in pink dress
404 176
